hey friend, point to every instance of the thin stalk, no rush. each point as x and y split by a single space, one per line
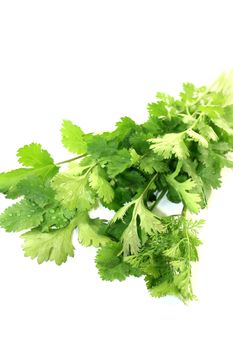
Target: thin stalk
184 211
140 198
178 168
149 184
71 160
162 194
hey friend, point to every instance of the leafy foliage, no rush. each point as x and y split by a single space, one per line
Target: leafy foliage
55 245
111 264
91 231
33 155
73 137
148 222
100 184
21 216
170 144
184 189
179 152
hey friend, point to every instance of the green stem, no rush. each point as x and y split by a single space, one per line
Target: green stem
149 184
187 111
178 168
72 159
162 194
74 222
184 211
140 198
90 169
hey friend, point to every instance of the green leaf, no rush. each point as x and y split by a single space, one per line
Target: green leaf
121 212
158 113
74 192
79 168
21 216
34 156
228 114
182 281
119 162
197 138
211 165
56 217
130 239
124 129
190 199
207 132
111 265
10 180
138 141
184 189
72 138
151 163
134 156
148 220
223 85
131 179
188 92
190 167
170 144
54 246
157 109
163 289
91 231
222 123
173 196
99 183
97 146
34 189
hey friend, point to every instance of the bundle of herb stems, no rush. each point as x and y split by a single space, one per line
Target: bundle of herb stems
177 154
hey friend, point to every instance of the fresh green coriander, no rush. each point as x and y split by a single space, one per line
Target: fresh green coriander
178 153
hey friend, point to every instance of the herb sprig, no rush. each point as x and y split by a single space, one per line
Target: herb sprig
178 153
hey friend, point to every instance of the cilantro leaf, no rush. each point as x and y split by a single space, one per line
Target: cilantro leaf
73 138
184 189
197 137
54 246
97 146
99 183
21 216
34 156
207 131
73 191
170 144
125 128
34 189
56 217
119 162
91 231
148 222
10 180
111 265
151 163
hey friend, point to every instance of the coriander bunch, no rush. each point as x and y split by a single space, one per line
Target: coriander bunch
178 153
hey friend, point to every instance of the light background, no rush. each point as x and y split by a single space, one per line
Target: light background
94 62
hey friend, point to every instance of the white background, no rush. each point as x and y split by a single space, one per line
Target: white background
94 62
